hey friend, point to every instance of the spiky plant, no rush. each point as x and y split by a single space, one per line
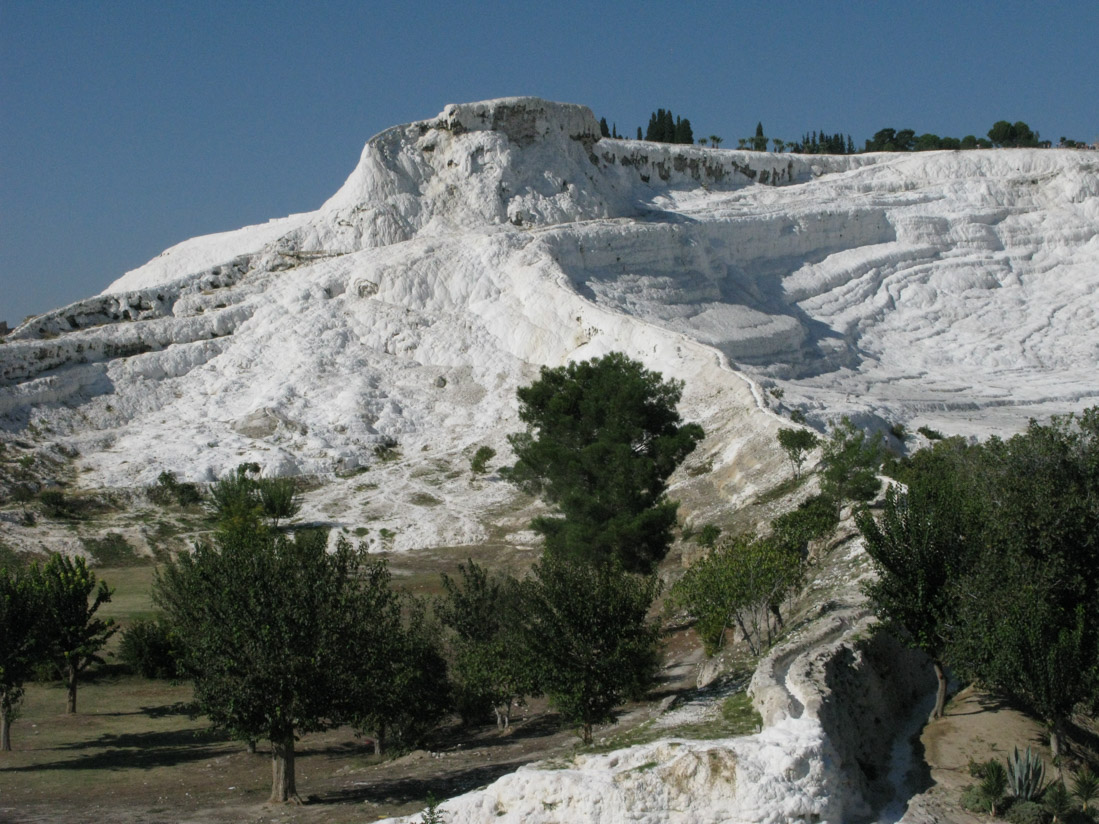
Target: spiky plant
993 784
1085 786
1025 774
1056 800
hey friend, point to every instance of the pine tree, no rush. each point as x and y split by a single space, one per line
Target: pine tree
603 130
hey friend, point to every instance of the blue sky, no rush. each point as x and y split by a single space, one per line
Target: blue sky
126 127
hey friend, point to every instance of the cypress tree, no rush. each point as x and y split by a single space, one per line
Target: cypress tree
603 130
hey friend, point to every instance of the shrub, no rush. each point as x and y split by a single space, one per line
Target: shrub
151 649
797 416
56 503
898 431
168 490
814 518
479 462
113 550
930 434
1028 812
387 449
986 796
279 498
708 535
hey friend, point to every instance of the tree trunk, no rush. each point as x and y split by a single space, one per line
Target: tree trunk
282 772
72 690
587 733
1055 739
252 746
5 731
379 739
940 695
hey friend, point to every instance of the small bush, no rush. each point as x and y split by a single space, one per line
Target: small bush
167 490
479 462
387 449
1028 812
113 550
930 434
56 503
151 649
797 416
898 431
1085 786
814 518
708 535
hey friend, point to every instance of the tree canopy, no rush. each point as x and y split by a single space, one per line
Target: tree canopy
275 630
990 561
602 437
24 639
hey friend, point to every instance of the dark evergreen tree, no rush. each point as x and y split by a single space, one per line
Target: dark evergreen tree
603 436
603 130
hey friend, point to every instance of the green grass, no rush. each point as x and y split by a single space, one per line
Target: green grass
131 593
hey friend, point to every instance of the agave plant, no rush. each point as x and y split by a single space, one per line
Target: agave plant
1085 786
1025 774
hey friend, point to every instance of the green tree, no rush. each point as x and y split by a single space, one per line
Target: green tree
683 132
1027 612
919 549
235 500
743 583
604 130
76 634
584 628
24 640
759 142
490 670
602 438
278 498
850 462
401 690
797 444
274 630
478 464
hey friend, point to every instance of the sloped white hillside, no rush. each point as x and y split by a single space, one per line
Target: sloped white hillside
954 289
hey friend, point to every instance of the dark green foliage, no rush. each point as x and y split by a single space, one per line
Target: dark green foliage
479 462
814 518
1085 786
401 690
584 628
235 502
797 443
113 550
76 635
1007 134
24 638
708 535
282 637
992 558
167 490
57 504
742 583
278 498
930 434
850 461
1028 812
797 416
490 671
665 128
604 130
151 649
387 449
603 436
1057 801
759 141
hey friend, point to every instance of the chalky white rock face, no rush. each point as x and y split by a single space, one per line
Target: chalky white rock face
952 289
